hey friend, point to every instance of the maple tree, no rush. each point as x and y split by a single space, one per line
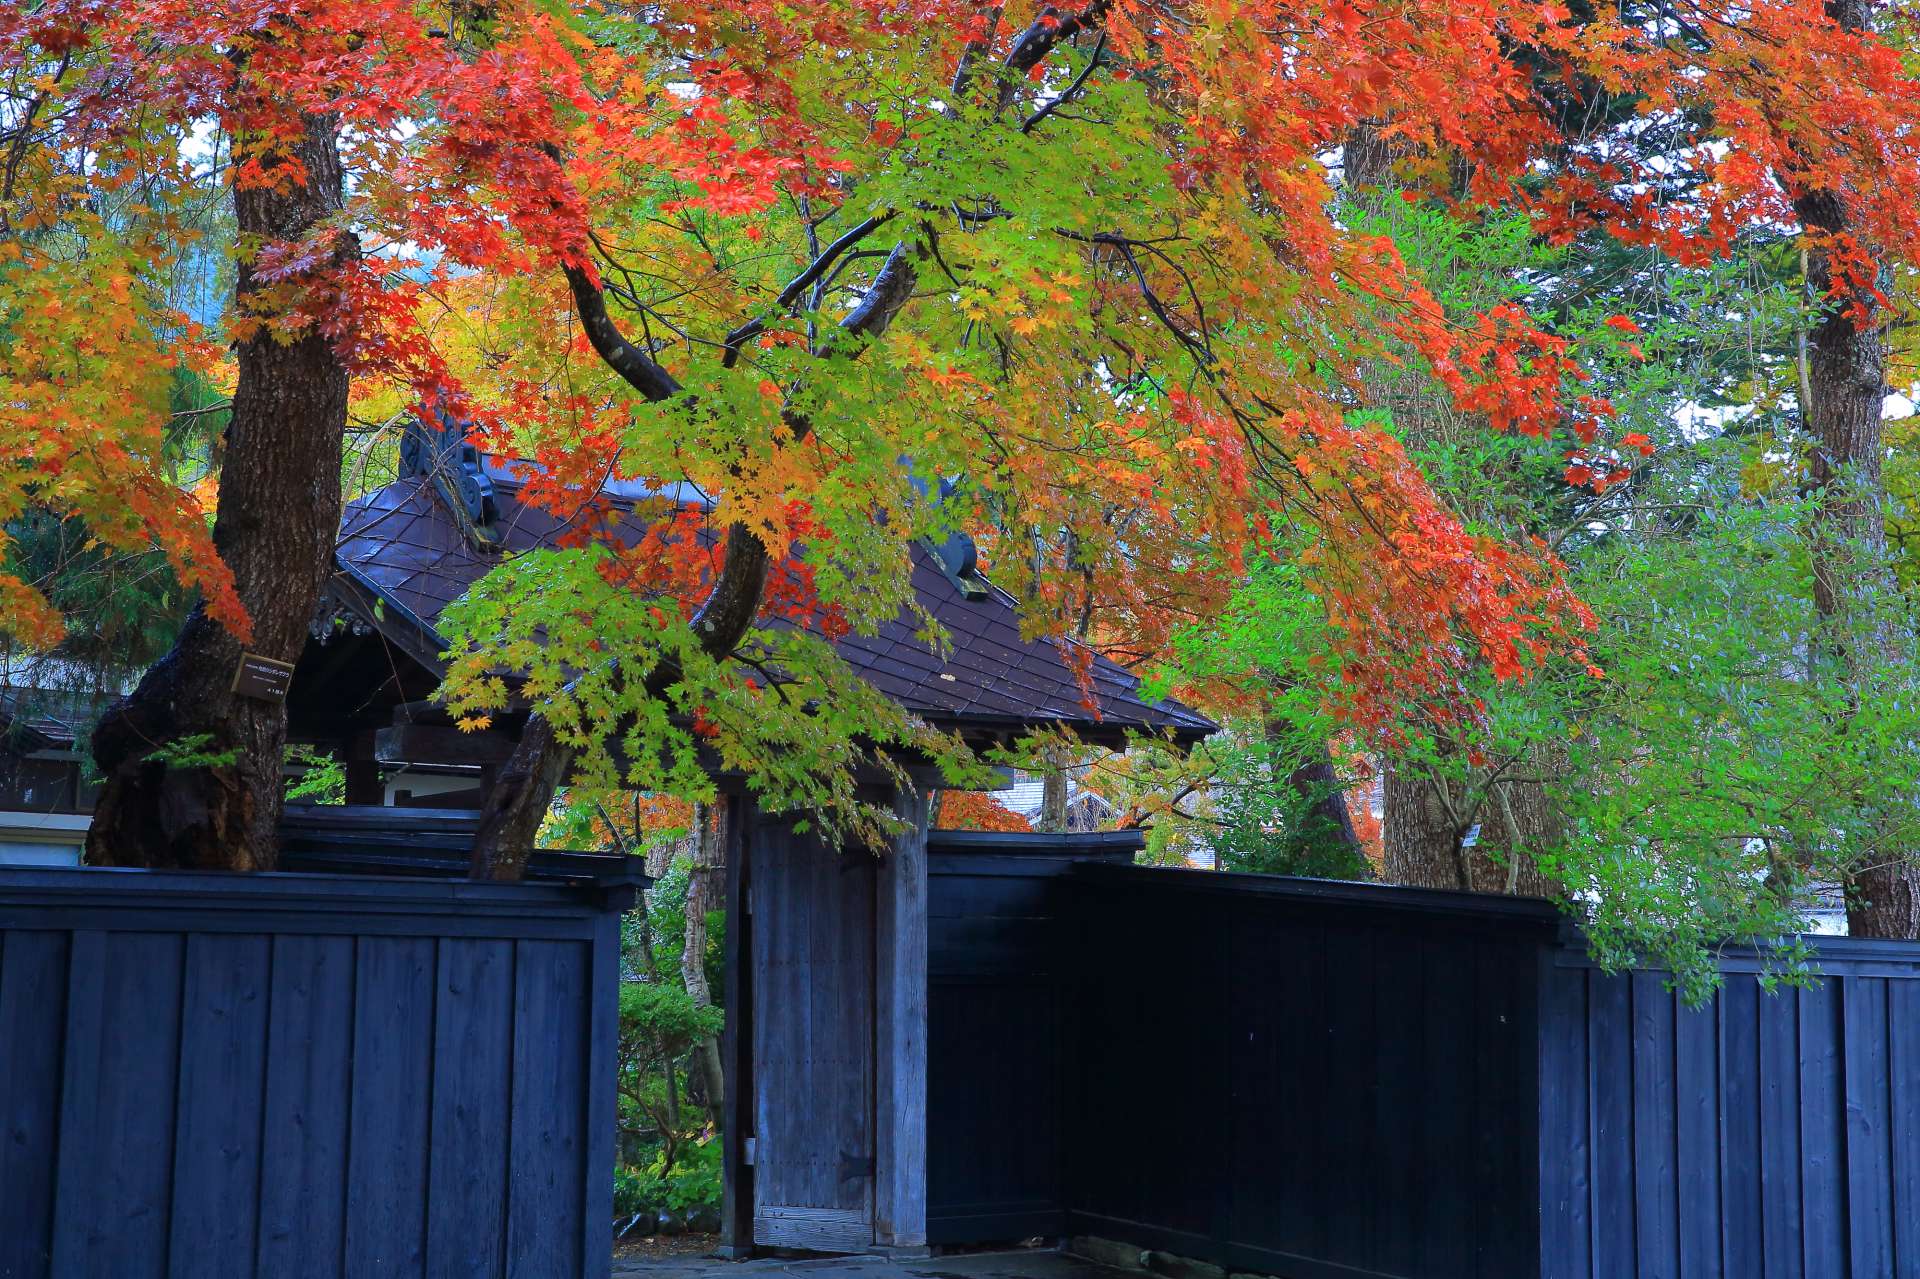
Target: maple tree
816 257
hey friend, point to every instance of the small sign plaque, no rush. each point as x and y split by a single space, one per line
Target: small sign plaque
262 677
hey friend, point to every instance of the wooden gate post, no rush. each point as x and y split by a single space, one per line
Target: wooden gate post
736 1041
900 1032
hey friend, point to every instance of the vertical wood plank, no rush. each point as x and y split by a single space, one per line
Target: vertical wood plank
1742 1235
1449 1215
1400 1102
33 1014
1345 1182
223 1049
117 1110
1566 1195
1278 1067
1697 1103
851 1043
1780 1135
1655 1129
603 1035
303 1187
773 998
546 1220
1823 1186
1508 1206
900 1032
1869 1151
1610 1035
736 1042
1903 1120
393 1042
472 1088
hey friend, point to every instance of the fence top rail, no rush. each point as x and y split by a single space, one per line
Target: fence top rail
1832 956
110 889
1102 843
1474 907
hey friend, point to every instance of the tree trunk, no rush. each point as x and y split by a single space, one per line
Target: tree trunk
1429 821
1053 795
276 523
1325 819
1368 159
706 891
1845 384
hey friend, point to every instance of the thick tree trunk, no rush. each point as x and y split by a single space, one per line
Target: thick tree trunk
1845 384
1429 822
706 891
276 523
1325 818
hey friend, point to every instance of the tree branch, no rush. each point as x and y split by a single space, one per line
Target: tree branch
1079 82
799 284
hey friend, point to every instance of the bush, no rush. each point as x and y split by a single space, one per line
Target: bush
636 1191
694 1184
689 1192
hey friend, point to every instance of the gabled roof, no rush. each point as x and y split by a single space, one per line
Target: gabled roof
40 719
401 545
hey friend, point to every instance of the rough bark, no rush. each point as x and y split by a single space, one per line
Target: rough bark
1844 382
1368 158
1326 819
1428 821
515 806
1053 797
277 517
706 891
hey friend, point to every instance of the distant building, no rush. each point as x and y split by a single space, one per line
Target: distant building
46 796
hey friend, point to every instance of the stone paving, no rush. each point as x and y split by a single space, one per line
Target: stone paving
1034 1263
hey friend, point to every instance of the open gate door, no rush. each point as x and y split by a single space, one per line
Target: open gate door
812 947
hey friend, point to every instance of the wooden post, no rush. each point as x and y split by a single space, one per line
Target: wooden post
364 783
900 1033
736 1042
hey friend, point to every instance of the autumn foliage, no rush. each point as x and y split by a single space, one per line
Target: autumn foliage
977 810
1136 320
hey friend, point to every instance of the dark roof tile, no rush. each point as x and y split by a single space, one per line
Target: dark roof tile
401 541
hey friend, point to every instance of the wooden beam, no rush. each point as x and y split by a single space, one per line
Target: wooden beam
900 1032
364 782
433 744
736 1040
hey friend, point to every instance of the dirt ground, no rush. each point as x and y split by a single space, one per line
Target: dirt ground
638 1247
1024 1264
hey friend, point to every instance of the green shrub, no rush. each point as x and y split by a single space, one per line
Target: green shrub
691 1189
637 1190
694 1183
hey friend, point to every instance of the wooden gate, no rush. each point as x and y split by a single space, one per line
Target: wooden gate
813 1036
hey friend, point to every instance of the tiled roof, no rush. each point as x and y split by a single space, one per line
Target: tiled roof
401 543
45 718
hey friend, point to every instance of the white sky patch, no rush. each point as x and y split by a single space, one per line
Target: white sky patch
1699 422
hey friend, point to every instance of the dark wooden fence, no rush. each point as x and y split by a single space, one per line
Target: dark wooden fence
1328 1081
998 1029
1306 1079
289 1075
1773 1136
